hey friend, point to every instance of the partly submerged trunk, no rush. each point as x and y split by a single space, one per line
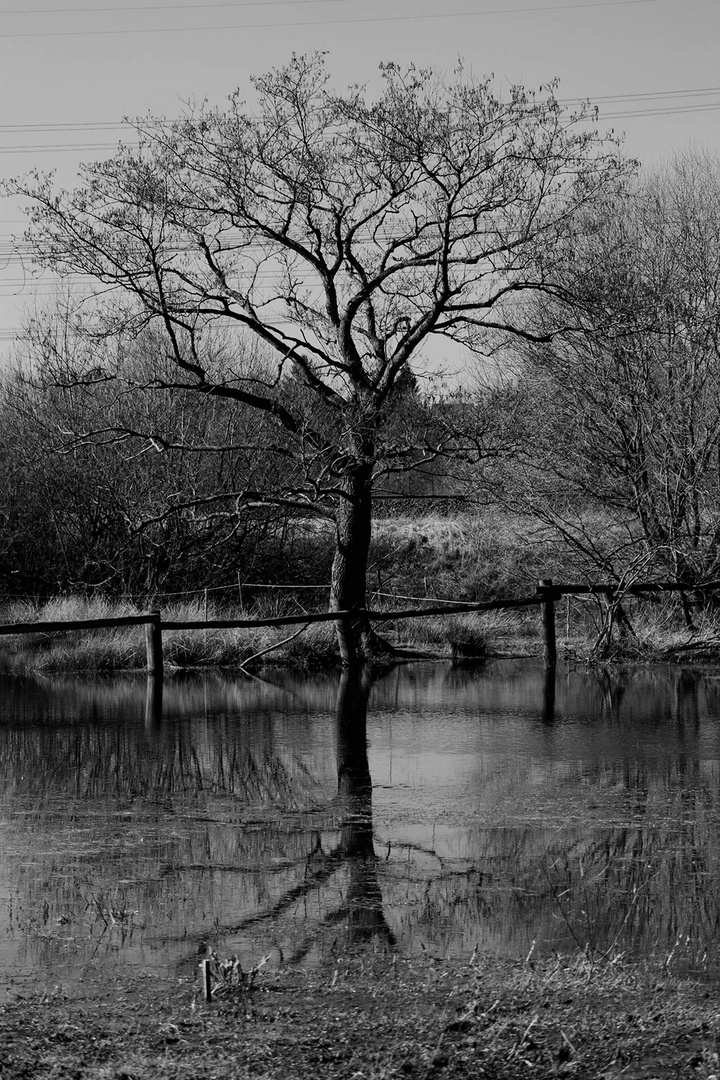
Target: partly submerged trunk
357 641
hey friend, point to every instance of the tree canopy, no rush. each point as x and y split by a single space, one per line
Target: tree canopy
343 231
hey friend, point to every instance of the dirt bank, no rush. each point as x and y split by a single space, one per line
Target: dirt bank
373 1018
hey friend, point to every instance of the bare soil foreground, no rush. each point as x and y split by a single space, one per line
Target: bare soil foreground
375 1017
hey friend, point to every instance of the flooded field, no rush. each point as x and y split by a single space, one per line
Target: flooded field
440 809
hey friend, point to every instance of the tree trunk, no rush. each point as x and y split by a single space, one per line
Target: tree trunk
357 641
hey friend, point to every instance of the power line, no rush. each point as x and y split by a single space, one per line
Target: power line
123 9
128 125
62 125
324 22
101 148
105 147
670 111
76 148
647 97
649 94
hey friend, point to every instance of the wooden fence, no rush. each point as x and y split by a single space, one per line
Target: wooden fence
545 597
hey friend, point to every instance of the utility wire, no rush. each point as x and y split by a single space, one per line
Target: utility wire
104 147
652 98
649 94
75 148
128 124
124 8
671 111
323 22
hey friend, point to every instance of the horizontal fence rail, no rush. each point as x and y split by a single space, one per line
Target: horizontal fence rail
74 624
547 593
356 613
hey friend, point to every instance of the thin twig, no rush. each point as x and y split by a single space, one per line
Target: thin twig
275 645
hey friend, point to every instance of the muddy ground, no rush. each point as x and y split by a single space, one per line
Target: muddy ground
374 1017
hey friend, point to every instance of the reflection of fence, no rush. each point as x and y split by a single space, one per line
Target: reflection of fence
546 596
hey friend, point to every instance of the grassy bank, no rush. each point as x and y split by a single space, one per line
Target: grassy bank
657 635
314 646
311 646
375 1017
412 561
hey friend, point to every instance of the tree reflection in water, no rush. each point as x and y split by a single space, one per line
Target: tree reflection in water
245 814
363 905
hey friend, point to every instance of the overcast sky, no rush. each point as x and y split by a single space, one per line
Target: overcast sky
72 69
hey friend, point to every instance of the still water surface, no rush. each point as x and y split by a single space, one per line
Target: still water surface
440 809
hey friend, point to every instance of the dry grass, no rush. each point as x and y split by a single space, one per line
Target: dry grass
378 1017
123 648
109 649
462 558
661 631
316 647
212 647
465 558
470 635
655 631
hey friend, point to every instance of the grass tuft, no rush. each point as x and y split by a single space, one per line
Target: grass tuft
315 648
466 636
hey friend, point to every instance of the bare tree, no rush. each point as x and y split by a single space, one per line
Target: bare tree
343 232
622 416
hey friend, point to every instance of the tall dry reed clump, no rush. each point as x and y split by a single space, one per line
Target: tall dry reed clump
107 649
471 635
123 648
213 647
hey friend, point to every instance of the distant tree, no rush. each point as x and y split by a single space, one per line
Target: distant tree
620 418
92 502
344 233
27 539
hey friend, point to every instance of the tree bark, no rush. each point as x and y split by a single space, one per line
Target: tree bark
357 641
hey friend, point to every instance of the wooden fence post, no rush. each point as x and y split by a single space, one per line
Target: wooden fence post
547 592
153 644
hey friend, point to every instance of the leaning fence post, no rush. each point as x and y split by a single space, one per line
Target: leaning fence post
548 595
153 644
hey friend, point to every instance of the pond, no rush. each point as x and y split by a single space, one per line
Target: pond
441 809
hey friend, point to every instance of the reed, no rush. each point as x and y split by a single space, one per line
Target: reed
116 648
111 649
123 648
470 635
315 648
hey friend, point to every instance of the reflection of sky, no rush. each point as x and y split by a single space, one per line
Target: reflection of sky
648 714
465 769
4 869
210 816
